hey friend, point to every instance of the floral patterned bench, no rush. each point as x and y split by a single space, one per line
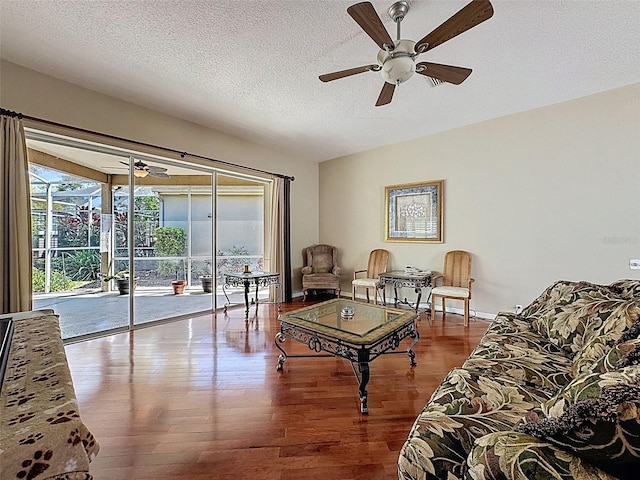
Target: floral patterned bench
551 393
42 435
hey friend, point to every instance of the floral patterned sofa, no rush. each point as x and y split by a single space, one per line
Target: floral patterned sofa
551 393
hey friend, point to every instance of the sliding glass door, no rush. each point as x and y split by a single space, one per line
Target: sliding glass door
153 232
140 238
240 222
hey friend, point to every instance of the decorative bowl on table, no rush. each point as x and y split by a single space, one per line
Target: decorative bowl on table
347 313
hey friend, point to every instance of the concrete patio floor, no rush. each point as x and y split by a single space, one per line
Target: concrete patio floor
89 312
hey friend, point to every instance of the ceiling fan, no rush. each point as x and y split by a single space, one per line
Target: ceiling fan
141 170
396 60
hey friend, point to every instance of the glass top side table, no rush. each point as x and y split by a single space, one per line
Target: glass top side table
241 279
399 279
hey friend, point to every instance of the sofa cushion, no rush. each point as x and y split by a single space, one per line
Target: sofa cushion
447 291
630 333
464 407
365 282
515 455
558 293
602 330
511 348
513 329
622 354
322 262
583 318
626 288
321 280
520 363
596 417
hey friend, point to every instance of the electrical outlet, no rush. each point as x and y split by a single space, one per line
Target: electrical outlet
518 308
634 264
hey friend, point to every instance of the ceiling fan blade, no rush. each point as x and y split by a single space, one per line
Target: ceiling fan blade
446 73
139 165
473 14
151 168
386 95
365 15
347 73
158 174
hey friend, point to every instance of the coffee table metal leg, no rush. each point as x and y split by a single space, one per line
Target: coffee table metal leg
363 367
280 337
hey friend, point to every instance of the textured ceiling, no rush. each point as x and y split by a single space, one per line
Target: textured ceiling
250 68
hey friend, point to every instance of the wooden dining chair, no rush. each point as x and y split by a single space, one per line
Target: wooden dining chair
456 282
378 261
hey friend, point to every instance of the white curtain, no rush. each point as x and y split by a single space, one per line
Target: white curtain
15 215
276 240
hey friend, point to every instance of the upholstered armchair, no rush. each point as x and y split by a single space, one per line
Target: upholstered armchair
321 270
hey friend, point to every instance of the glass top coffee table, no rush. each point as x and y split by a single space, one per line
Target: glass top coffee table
356 331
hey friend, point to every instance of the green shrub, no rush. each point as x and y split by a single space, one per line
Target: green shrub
59 281
83 265
169 242
37 280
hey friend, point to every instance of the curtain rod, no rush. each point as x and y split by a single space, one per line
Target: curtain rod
20 116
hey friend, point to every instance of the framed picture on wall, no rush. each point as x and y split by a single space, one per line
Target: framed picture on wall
413 212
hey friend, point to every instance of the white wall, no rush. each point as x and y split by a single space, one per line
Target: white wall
38 95
542 195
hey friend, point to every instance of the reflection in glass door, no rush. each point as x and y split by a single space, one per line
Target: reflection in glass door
241 232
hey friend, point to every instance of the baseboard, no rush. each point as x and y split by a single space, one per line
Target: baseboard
426 307
472 313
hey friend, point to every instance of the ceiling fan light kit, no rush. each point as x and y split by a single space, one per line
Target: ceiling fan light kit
396 59
141 170
398 65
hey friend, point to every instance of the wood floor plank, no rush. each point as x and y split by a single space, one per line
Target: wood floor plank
201 399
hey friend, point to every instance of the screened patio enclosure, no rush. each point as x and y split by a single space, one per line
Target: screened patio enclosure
97 220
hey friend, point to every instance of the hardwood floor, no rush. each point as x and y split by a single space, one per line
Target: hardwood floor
201 399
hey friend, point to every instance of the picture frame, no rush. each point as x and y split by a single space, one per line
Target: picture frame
413 212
